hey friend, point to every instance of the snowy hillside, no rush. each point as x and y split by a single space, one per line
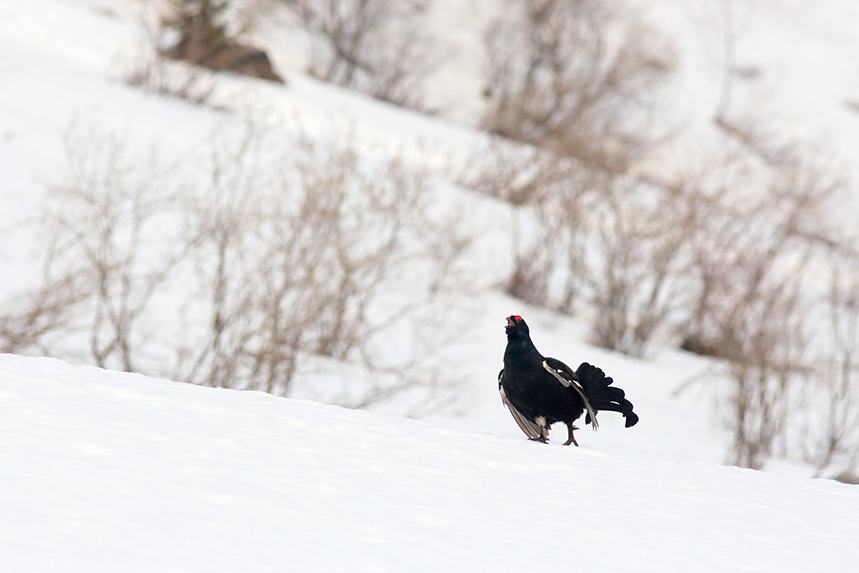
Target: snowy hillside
62 64
107 471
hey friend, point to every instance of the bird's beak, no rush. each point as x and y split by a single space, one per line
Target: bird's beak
510 321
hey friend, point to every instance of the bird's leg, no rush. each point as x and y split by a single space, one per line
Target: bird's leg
544 430
544 433
571 439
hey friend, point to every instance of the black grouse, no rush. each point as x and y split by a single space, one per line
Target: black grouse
541 391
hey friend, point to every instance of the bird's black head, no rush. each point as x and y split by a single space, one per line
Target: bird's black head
516 327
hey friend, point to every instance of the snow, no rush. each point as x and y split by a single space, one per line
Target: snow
119 472
105 471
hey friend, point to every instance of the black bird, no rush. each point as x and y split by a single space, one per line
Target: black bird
541 391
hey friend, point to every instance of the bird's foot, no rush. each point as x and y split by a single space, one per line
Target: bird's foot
571 439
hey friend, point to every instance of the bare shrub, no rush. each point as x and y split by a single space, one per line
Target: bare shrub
287 251
773 342
572 77
532 181
223 217
153 73
754 230
107 252
579 233
305 262
30 319
836 372
729 22
754 295
577 80
374 46
636 271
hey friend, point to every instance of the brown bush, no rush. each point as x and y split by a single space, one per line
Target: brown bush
556 77
374 46
304 261
277 256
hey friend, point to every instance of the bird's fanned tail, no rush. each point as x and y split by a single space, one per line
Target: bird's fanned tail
602 395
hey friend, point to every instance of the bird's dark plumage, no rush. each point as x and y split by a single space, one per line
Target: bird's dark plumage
541 391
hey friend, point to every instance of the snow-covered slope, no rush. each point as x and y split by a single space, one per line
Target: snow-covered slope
106 471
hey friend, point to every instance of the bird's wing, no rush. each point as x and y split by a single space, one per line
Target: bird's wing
562 369
569 379
531 429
